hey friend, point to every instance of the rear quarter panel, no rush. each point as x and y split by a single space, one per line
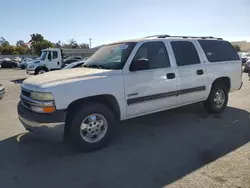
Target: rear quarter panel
214 70
231 69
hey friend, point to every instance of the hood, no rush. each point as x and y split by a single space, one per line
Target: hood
64 76
33 62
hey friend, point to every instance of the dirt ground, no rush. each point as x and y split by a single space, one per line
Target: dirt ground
183 147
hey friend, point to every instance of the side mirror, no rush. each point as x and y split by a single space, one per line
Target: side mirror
140 64
49 56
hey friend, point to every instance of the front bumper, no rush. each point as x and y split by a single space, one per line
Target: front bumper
45 125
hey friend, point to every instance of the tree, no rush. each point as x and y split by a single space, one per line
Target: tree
20 43
7 50
4 42
58 44
237 47
23 50
84 45
73 43
40 45
36 37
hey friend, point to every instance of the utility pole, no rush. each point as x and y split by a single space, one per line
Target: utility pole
90 39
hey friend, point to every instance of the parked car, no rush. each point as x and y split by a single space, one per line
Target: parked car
77 57
244 57
9 64
129 79
2 91
24 62
17 59
6 59
247 66
73 57
74 65
68 61
86 58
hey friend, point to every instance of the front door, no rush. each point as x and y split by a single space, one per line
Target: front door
53 60
192 72
153 89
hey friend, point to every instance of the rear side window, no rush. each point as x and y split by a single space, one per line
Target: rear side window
185 53
217 51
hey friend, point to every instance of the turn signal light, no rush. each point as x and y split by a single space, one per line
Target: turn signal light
49 109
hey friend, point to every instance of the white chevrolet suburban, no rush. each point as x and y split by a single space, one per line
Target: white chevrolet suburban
129 79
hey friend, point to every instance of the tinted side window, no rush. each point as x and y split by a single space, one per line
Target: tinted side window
185 53
54 55
155 53
217 51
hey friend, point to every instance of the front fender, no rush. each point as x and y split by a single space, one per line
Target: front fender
72 90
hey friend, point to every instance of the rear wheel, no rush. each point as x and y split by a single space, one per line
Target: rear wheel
92 127
217 100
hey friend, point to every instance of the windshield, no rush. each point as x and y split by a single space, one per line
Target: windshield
43 55
112 56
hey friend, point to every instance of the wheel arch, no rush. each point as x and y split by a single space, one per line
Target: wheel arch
225 80
106 99
41 67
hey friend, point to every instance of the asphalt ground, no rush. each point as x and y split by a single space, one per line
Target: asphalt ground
183 147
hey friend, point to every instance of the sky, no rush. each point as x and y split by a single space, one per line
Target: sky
108 21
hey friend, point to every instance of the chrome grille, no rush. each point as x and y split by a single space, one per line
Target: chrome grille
25 93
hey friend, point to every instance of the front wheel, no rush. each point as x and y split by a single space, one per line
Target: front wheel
40 71
92 127
217 100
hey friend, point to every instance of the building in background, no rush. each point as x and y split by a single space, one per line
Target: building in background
244 45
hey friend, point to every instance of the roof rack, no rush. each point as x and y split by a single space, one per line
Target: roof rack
158 36
185 37
198 37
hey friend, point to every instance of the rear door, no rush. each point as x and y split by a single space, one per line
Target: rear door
192 72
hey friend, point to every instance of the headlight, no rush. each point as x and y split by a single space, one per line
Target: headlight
41 96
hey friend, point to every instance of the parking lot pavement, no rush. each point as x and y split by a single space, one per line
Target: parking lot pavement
184 147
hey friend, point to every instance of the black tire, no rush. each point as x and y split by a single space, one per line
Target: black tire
75 137
39 69
22 66
210 105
